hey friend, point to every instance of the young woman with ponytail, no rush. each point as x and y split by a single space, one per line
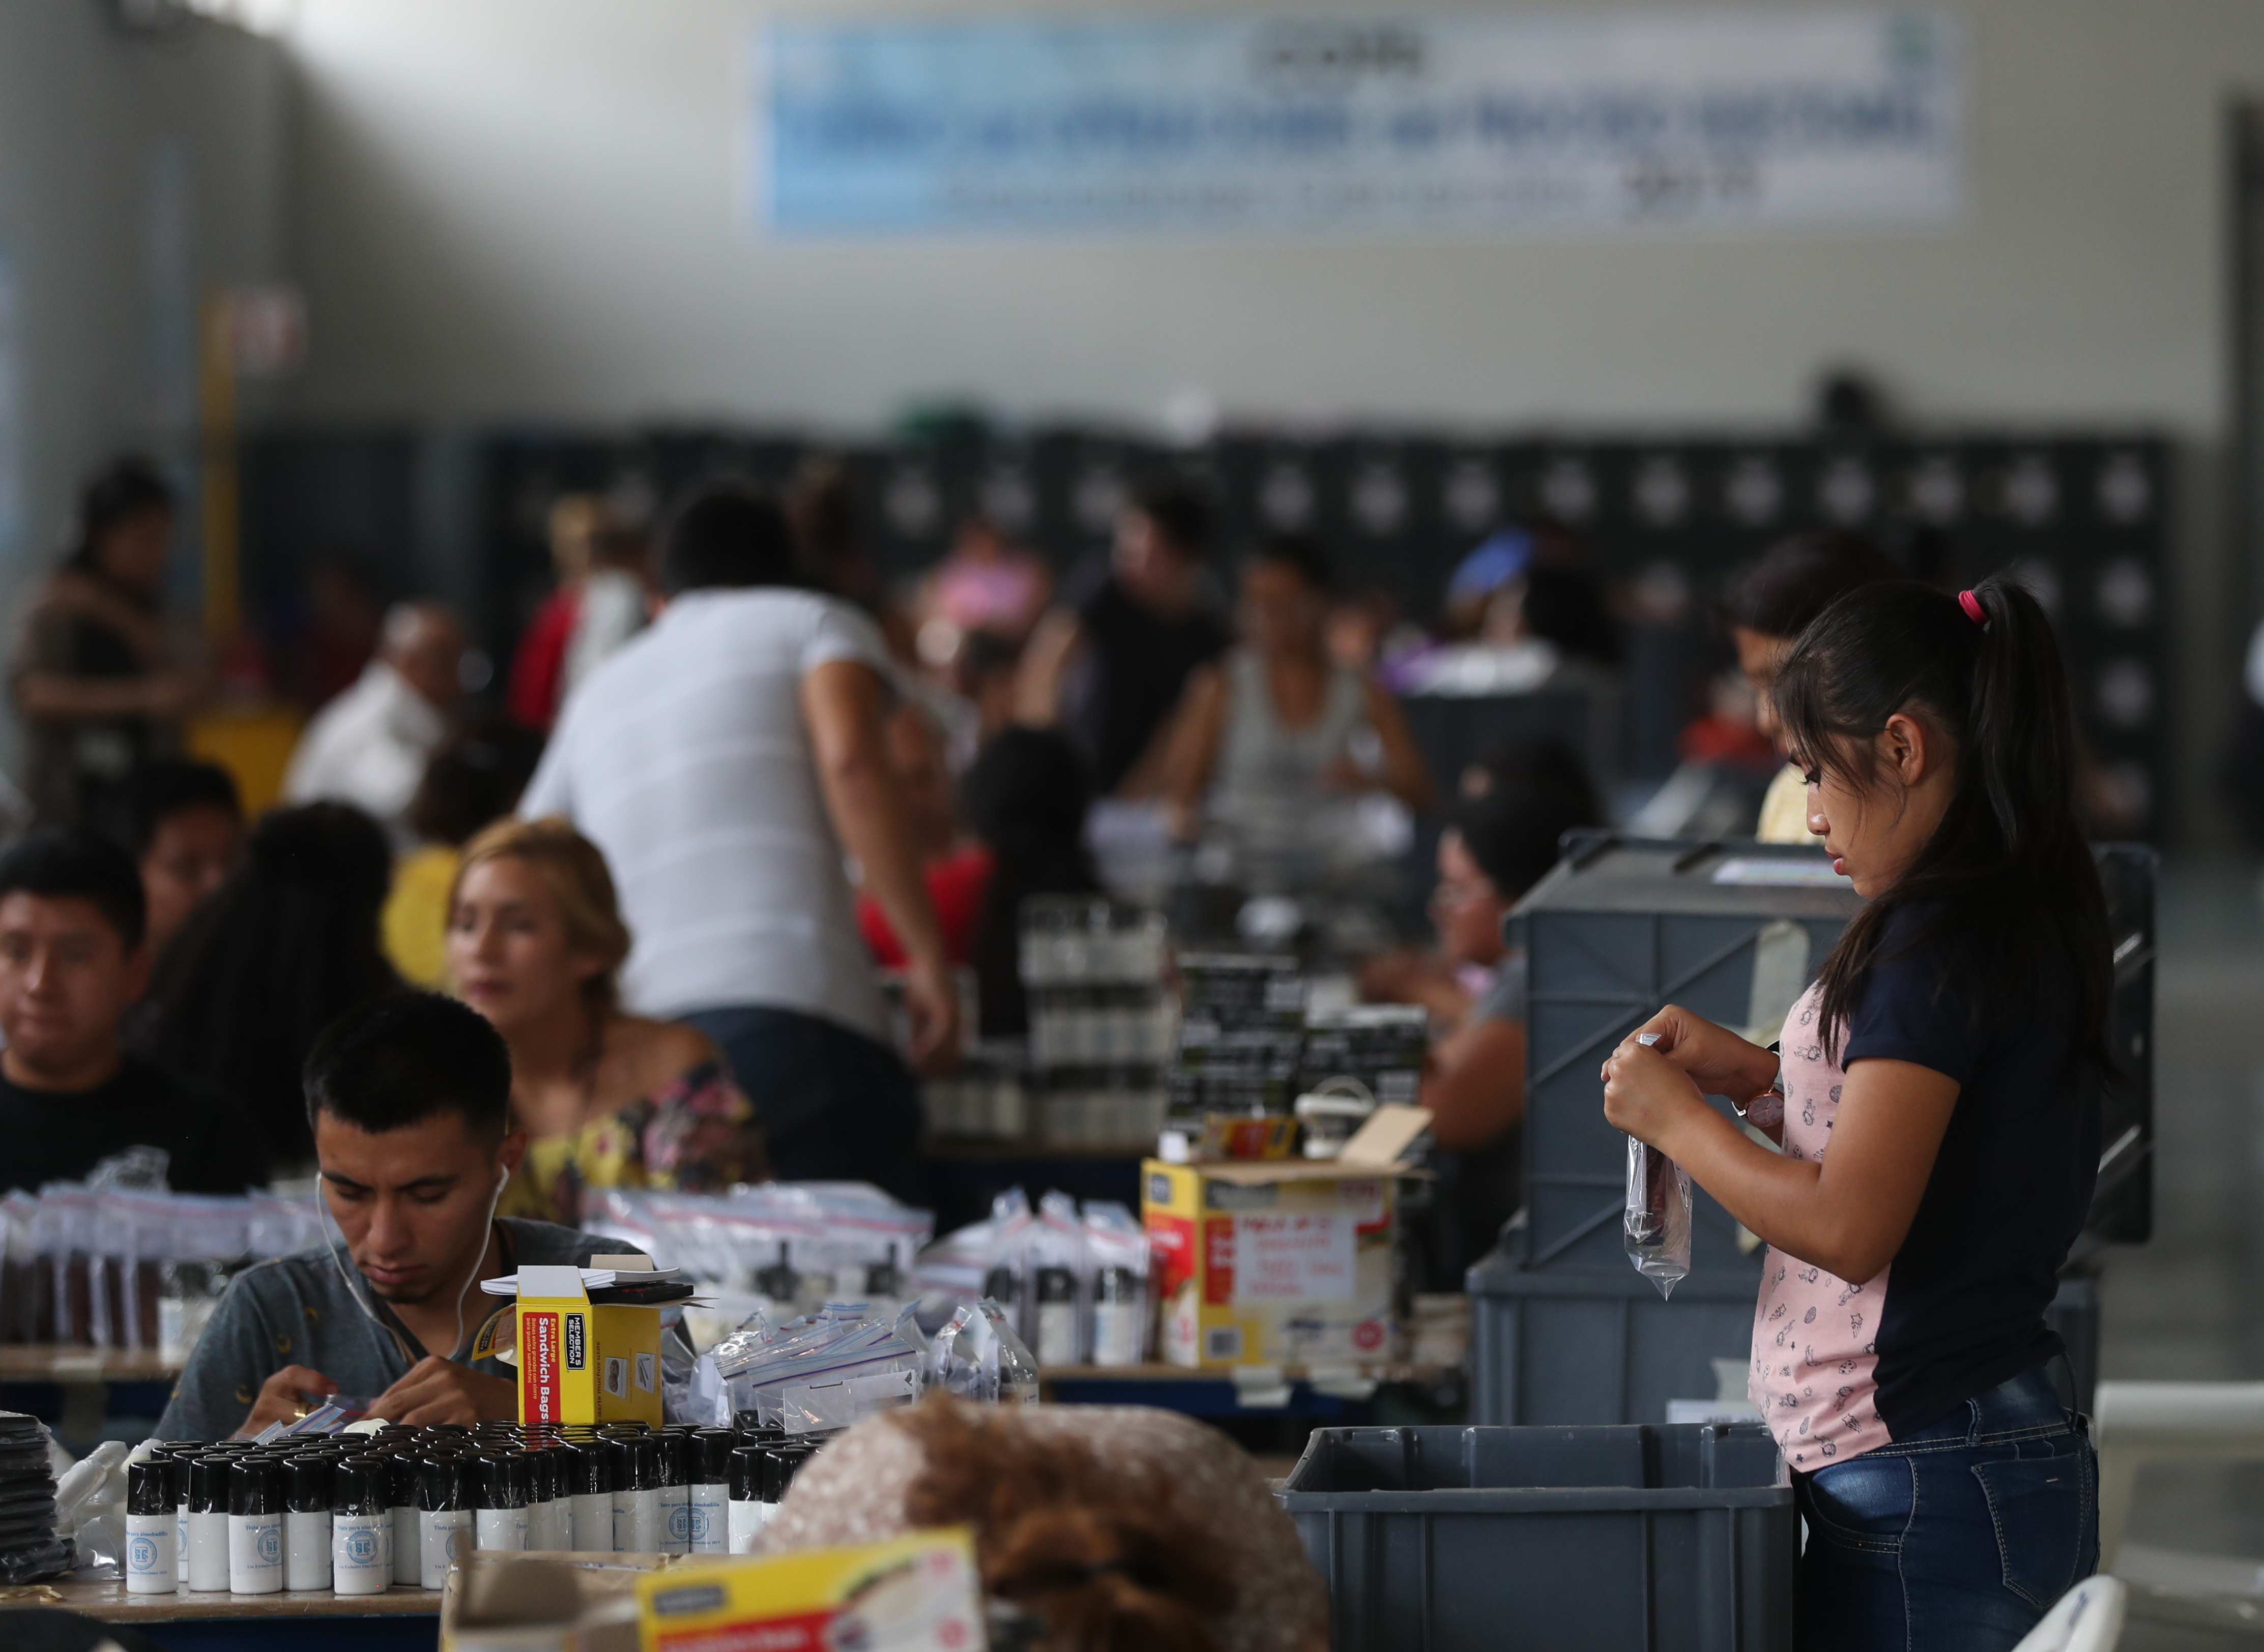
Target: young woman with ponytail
1900 1353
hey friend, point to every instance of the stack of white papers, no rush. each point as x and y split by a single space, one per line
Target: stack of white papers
593 1279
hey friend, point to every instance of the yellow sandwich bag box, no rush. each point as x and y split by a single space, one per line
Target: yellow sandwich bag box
1281 1261
917 1593
585 1363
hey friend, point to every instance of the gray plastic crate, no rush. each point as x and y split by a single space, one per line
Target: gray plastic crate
1550 1540
1622 925
1551 1347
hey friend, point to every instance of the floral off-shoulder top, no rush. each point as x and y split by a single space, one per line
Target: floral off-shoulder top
696 1134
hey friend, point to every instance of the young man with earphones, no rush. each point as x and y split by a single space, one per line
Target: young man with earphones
410 1099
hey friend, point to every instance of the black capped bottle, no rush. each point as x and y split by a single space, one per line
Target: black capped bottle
307 1523
152 1527
403 1505
208 1523
501 1494
255 1527
711 1491
361 1527
675 1491
590 1480
444 1517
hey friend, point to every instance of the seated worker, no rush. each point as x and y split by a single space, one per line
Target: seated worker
409 1100
1110 669
1266 739
183 823
1796 580
1500 846
73 958
535 945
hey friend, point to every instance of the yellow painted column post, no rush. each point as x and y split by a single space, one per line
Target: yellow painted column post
216 478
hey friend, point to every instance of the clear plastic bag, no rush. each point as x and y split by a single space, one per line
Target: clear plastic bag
979 1355
1658 1224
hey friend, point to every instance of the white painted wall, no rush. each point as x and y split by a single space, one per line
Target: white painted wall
532 207
84 111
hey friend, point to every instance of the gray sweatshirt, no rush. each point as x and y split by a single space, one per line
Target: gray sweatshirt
297 1311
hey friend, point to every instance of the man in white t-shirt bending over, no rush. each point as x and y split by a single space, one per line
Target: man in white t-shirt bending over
724 759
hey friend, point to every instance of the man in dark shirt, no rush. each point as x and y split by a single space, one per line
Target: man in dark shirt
72 957
1112 668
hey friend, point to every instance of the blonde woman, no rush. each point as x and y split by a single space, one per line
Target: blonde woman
607 1099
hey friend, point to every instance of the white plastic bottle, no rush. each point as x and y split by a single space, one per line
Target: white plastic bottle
746 1511
209 1525
306 1525
255 1527
152 1527
443 1518
589 1478
711 1492
637 1516
402 1507
178 1482
499 1500
361 1528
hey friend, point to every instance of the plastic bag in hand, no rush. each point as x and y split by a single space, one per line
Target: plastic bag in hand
1658 1224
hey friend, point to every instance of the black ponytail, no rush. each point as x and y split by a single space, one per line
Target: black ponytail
2009 885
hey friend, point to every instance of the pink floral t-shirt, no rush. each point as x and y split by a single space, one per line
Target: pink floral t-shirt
1815 1334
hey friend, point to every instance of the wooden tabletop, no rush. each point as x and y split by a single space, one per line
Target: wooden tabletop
110 1604
52 1362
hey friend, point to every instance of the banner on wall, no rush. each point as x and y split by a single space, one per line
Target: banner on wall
1472 124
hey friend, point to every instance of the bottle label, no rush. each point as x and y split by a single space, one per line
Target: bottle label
710 1520
149 1540
361 1554
445 1536
255 1554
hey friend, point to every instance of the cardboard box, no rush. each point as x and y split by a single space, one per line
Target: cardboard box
579 1363
1277 1262
496 1602
917 1593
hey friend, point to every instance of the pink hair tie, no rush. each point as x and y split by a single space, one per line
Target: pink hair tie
1974 611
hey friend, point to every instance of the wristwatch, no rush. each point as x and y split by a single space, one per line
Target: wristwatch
1768 1108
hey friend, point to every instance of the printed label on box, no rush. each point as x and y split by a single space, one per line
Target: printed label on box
576 1342
644 1368
1218 1260
1290 1256
538 1368
617 1377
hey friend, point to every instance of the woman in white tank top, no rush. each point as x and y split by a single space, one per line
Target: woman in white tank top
1277 734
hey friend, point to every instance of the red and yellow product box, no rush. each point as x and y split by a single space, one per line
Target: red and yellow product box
917 1593
1281 1261
580 1362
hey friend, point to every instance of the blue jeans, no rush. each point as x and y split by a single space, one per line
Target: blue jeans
835 1107
1958 1539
